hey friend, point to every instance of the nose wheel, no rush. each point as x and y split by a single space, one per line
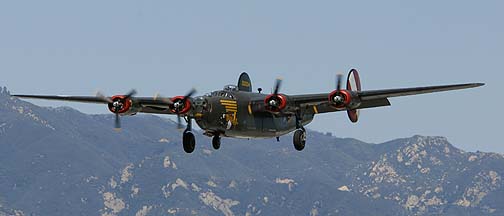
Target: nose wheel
216 141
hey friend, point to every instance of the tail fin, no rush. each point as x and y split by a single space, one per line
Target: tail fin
244 83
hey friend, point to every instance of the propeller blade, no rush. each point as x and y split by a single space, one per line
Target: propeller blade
278 83
117 125
189 94
158 96
179 123
131 94
103 97
339 79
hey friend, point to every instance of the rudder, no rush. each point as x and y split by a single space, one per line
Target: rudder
353 84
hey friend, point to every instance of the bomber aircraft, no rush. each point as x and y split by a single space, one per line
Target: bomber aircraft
237 111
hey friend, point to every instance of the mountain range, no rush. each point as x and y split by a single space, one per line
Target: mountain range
59 161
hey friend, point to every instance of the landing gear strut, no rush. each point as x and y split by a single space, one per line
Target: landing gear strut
299 138
188 139
216 141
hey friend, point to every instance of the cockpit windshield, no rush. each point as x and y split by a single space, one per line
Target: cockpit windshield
228 92
230 88
225 94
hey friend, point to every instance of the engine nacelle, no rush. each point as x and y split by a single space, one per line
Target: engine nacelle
121 105
180 106
275 103
344 99
340 99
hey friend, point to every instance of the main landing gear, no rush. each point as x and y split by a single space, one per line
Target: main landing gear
188 139
216 142
299 138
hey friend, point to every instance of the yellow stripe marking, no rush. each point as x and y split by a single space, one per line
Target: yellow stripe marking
227 101
315 109
250 109
226 104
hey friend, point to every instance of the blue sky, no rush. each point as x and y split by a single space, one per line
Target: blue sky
78 47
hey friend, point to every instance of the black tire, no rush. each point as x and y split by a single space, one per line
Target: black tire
216 141
299 140
189 142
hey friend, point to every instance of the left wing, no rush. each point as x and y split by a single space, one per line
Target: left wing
372 98
343 100
386 93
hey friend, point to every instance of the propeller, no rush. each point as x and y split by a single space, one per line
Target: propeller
179 105
275 102
116 105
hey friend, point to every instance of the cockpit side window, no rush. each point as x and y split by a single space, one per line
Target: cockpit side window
229 95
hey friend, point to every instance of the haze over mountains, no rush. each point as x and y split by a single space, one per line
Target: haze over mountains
58 161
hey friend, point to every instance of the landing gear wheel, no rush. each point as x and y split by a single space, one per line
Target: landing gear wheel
299 139
189 142
216 142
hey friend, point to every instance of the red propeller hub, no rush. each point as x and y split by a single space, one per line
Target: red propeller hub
180 106
120 104
275 103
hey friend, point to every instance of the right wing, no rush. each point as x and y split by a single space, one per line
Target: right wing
82 99
147 104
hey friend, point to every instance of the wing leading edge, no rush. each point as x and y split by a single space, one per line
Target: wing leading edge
82 99
386 93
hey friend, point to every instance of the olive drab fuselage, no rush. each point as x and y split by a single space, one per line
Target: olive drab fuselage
229 113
